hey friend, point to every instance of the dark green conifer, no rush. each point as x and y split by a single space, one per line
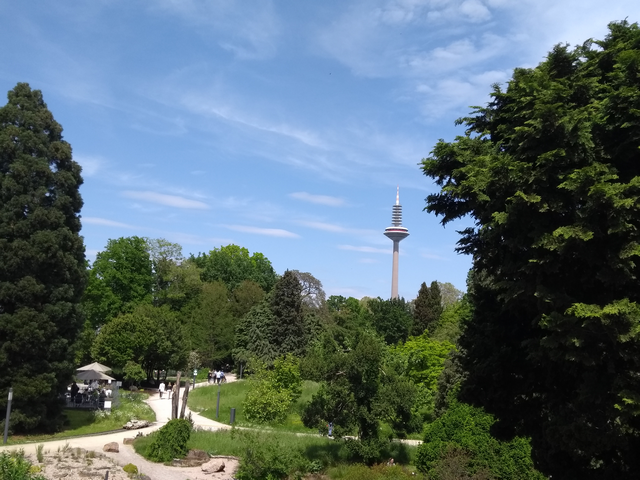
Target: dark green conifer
42 262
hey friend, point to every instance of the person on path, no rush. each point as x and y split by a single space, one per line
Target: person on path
209 377
219 376
161 389
169 390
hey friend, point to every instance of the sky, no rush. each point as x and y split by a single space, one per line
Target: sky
283 127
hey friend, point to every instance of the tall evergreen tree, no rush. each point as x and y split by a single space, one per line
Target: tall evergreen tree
549 171
42 262
428 309
289 333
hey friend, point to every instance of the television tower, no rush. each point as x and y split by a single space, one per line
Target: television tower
396 232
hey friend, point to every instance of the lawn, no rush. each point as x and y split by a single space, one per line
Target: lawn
232 395
86 422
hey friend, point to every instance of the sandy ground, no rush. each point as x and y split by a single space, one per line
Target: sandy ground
83 458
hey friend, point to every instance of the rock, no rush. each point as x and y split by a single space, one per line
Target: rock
128 441
111 447
214 466
135 424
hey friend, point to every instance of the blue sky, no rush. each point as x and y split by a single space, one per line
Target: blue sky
283 127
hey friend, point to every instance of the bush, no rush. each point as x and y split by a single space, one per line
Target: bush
13 466
377 472
462 438
130 468
266 460
170 441
266 404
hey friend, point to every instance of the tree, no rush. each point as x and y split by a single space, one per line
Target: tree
121 277
450 294
288 334
232 265
391 318
313 295
42 263
211 325
548 171
428 308
253 335
245 297
149 336
165 256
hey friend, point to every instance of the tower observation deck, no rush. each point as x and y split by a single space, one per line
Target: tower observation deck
396 232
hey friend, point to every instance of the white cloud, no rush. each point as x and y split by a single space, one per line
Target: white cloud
105 222
90 164
475 10
167 200
270 232
432 256
318 199
365 249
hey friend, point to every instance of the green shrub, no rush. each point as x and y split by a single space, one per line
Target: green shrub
463 432
130 468
170 441
267 460
266 404
377 472
13 466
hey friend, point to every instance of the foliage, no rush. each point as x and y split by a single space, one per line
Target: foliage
133 372
424 358
13 466
247 295
272 392
286 375
288 333
548 171
253 335
130 468
375 472
391 318
453 321
150 336
467 429
232 265
449 294
349 394
211 325
313 295
42 262
428 308
170 441
120 278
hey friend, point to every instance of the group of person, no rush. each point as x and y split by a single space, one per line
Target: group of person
215 376
169 389
92 390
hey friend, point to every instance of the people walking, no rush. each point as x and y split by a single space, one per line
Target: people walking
169 390
161 388
219 376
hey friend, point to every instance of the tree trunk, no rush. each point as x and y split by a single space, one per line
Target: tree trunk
175 401
184 398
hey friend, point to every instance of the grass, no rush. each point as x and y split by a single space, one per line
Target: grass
330 453
86 422
203 400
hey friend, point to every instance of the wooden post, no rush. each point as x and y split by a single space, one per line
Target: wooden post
184 398
175 401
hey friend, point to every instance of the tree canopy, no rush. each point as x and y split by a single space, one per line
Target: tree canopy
42 263
549 173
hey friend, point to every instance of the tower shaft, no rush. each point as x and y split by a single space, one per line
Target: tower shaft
396 232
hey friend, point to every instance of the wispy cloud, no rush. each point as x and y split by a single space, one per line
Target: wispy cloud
365 249
432 256
105 222
318 199
368 260
270 232
331 227
167 200
249 29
